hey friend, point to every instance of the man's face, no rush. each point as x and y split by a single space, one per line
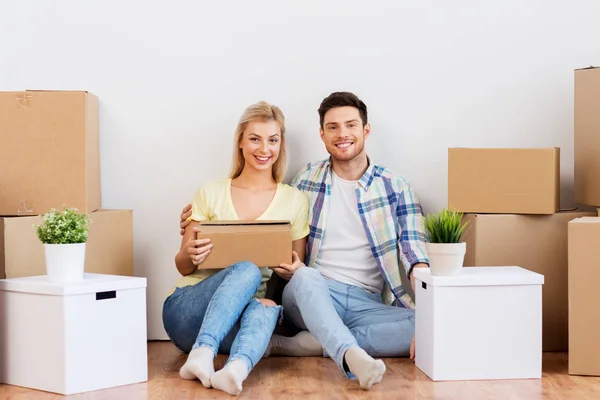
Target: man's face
343 133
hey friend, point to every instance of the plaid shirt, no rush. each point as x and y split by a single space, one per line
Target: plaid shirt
390 213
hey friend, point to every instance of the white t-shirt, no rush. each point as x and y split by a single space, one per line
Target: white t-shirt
345 254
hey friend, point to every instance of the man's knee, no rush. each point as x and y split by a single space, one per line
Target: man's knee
268 303
305 274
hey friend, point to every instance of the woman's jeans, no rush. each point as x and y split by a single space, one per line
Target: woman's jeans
220 313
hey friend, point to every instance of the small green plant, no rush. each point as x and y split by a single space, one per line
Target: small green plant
445 226
66 227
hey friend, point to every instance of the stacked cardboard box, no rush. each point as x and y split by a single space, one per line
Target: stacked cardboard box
504 181
584 298
587 136
50 157
537 243
510 198
502 190
584 233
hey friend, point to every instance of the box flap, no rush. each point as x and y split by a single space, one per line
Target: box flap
482 276
586 220
92 283
51 90
243 222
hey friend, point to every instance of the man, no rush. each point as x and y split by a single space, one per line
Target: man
365 224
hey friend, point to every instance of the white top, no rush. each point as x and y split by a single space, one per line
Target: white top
482 276
91 283
345 254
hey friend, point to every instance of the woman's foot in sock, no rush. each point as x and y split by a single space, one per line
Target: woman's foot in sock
303 344
368 370
199 365
230 378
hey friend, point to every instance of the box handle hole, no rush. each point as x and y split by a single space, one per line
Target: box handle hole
112 294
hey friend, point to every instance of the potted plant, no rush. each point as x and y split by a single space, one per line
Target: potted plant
64 235
445 247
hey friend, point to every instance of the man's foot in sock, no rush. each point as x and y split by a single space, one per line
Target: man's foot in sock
230 378
303 344
199 365
368 370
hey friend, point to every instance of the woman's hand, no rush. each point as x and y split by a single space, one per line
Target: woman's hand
286 271
198 249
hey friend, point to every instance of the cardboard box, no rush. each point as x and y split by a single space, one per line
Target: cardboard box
584 297
265 243
537 243
587 136
49 152
504 181
109 248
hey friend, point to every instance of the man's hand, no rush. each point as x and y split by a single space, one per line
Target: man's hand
412 348
286 271
412 276
183 218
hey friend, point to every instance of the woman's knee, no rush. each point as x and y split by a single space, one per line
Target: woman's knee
247 268
268 303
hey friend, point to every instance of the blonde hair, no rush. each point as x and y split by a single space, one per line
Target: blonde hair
262 112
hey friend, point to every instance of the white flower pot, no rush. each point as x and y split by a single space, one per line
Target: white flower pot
446 259
65 262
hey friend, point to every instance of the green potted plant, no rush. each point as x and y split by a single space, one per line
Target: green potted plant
445 247
64 235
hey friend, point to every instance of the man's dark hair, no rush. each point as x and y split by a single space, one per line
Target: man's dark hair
342 99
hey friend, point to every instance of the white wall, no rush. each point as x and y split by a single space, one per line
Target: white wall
173 78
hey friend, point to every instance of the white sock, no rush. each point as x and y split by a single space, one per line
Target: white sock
303 344
230 378
199 365
368 370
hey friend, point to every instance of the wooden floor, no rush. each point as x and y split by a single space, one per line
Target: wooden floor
318 378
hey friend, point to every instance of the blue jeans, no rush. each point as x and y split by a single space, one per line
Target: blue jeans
220 313
341 316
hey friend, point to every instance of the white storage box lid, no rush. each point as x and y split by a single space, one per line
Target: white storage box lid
482 276
91 283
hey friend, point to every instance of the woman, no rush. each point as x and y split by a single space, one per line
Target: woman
208 309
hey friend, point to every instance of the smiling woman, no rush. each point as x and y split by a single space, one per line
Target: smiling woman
212 311
259 137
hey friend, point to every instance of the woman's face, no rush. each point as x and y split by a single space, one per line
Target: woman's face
260 144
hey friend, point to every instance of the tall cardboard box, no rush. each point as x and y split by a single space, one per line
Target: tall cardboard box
584 297
587 136
537 243
49 152
504 181
109 249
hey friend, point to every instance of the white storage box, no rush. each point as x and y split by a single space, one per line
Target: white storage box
483 324
73 337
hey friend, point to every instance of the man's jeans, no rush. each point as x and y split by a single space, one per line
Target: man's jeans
220 313
340 316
